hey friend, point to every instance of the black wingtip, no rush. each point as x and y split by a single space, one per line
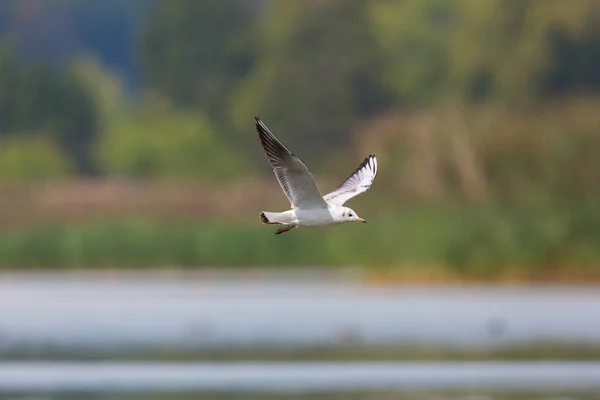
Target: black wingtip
260 126
370 158
364 162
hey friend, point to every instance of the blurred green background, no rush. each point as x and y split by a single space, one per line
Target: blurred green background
127 135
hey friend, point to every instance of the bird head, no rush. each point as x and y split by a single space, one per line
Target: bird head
349 215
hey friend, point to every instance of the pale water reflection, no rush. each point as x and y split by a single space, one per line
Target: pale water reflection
51 377
66 312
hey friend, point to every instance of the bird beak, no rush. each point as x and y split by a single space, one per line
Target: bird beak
361 220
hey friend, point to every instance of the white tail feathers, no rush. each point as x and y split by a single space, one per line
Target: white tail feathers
283 218
267 217
273 218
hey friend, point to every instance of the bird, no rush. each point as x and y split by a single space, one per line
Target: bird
308 207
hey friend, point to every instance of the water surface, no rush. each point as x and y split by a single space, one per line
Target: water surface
66 312
30 377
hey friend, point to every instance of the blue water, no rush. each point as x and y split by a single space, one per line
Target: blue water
66 312
50 377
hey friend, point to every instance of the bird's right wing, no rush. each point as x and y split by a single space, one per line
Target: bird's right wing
295 179
359 182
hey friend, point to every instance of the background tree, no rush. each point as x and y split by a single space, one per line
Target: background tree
196 52
316 76
438 51
38 97
158 141
31 157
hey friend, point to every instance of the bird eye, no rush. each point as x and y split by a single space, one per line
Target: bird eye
350 214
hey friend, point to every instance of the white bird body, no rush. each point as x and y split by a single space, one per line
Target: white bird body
331 215
309 207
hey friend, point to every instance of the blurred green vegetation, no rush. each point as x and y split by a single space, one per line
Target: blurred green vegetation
484 116
352 351
469 243
161 143
32 158
38 97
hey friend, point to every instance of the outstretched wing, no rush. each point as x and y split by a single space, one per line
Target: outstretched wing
357 183
295 179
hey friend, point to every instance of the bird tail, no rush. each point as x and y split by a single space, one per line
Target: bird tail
267 218
283 218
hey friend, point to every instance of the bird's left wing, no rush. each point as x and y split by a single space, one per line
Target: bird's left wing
357 183
294 178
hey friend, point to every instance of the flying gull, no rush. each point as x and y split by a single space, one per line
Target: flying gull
309 207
